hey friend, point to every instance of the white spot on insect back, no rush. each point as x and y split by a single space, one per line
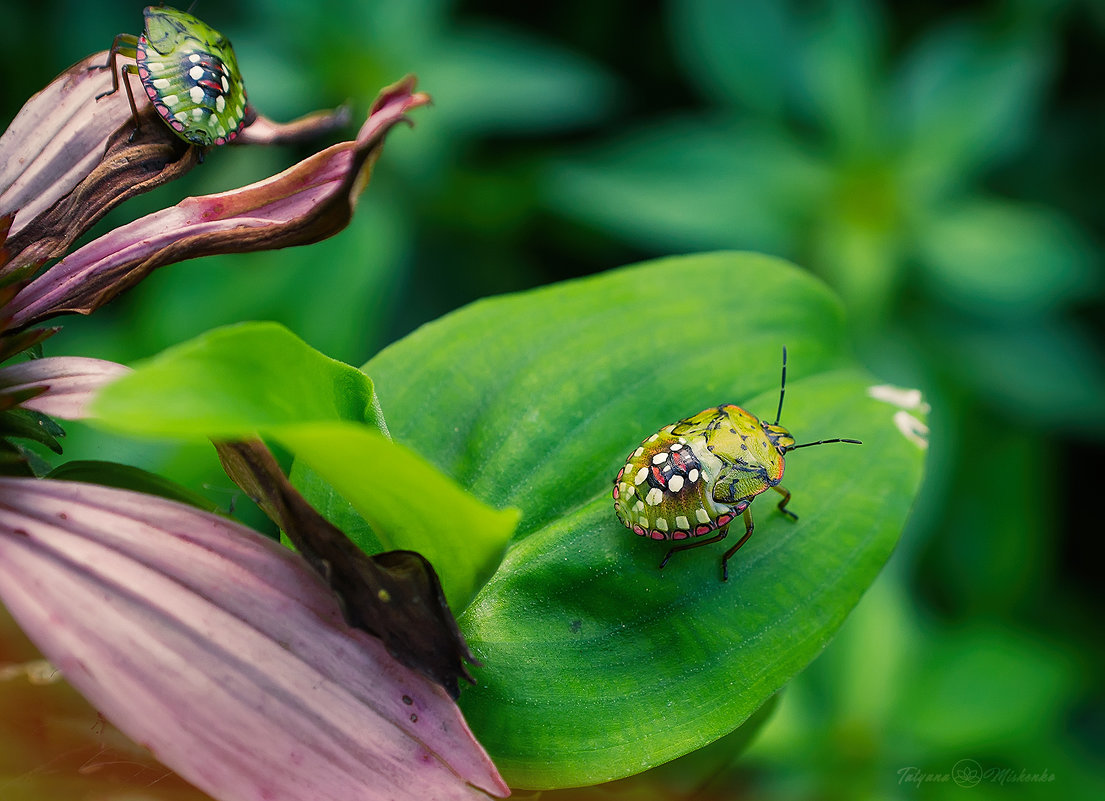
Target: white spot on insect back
195 73
655 495
642 474
677 446
197 113
675 483
226 84
682 522
692 476
171 100
639 506
194 58
637 453
701 515
160 83
196 93
220 104
662 523
181 115
155 66
660 458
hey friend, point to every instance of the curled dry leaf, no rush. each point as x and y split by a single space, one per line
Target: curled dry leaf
395 595
223 652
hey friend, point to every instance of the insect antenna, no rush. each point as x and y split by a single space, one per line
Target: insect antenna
782 387
779 413
824 442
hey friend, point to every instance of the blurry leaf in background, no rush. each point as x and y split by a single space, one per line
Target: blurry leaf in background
695 183
898 694
966 97
995 258
844 166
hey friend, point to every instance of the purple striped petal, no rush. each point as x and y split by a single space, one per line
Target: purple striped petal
69 381
223 653
306 203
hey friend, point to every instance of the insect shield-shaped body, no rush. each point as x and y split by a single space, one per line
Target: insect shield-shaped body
189 73
693 478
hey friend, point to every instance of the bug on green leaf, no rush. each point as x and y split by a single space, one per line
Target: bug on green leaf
189 73
694 477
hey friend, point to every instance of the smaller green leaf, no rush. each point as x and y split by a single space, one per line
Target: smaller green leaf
125 476
26 424
407 501
233 381
259 378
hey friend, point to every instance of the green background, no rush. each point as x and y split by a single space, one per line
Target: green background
937 165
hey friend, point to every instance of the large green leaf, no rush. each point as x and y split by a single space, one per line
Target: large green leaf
597 664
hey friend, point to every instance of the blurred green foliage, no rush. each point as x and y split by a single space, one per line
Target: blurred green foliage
938 163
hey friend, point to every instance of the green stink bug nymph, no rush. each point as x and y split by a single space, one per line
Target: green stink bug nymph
693 477
189 73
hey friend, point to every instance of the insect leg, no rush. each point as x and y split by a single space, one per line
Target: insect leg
783 503
128 70
696 544
125 44
748 527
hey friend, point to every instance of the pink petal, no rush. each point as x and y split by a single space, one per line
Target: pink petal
70 383
263 131
223 653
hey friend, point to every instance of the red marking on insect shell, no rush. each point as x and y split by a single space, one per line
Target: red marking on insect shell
679 534
657 535
680 461
616 493
703 529
639 531
656 474
723 520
